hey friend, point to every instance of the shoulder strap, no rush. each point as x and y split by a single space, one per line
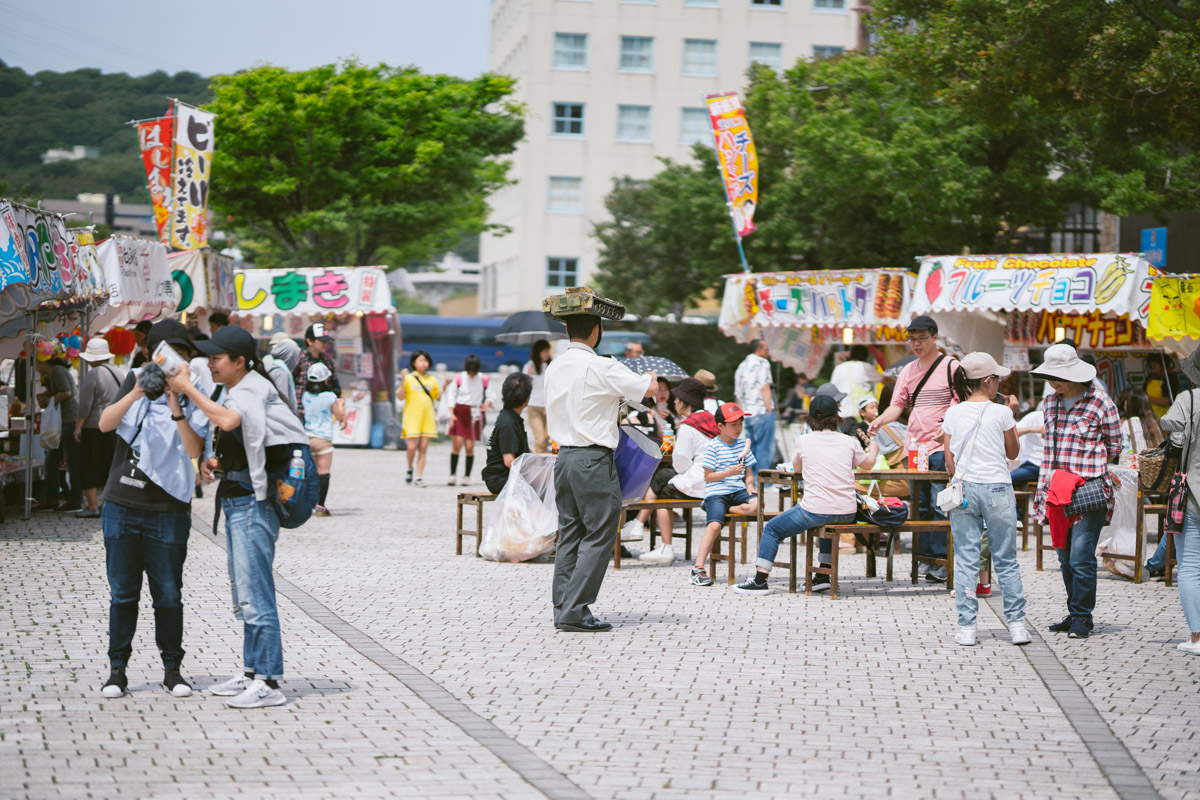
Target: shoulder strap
892 435
912 398
421 383
485 381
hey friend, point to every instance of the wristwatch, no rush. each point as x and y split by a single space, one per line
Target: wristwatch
180 418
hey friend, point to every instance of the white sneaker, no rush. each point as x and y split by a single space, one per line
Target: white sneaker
419 483
234 686
453 480
1189 647
633 531
257 695
663 554
1019 632
966 635
466 481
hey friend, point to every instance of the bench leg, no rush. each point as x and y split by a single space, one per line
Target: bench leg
617 546
1037 544
809 536
950 560
916 550
872 545
745 538
714 555
478 527
891 551
792 568
687 518
834 548
653 527
458 530
732 549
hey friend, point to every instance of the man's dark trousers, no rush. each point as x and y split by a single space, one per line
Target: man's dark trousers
588 495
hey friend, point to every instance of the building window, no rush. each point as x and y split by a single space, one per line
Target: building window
695 126
561 272
568 119
709 3
839 5
637 53
570 50
699 57
767 3
566 194
768 53
826 50
633 123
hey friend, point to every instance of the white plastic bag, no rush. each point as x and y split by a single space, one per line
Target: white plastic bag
51 426
1120 535
524 524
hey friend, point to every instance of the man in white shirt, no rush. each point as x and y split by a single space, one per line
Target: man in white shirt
753 390
856 379
583 395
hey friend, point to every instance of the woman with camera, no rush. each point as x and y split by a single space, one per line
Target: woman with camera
147 509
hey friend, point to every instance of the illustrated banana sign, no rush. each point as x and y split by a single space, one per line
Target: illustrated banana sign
1074 283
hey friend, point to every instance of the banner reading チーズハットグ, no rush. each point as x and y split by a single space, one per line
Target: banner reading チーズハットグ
826 298
192 167
736 157
155 141
320 290
1111 283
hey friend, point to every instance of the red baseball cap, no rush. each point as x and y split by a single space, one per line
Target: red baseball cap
729 412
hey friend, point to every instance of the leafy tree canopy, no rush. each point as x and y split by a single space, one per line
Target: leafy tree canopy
354 164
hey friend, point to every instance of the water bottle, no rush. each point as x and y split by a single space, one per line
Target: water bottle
296 465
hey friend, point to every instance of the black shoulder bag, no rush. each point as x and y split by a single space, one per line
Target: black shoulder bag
912 398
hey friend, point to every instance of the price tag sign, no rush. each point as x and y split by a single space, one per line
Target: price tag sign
1016 358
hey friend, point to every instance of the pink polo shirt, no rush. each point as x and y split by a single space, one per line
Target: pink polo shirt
933 401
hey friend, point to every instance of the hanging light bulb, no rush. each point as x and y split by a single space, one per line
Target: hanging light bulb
847 335
268 323
1060 333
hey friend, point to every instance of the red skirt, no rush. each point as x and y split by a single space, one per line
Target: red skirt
462 425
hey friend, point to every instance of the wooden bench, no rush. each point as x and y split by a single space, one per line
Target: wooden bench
1160 510
476 499
731 523
1025 501
684 506
868 535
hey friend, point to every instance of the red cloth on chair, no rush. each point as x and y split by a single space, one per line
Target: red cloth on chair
1058 497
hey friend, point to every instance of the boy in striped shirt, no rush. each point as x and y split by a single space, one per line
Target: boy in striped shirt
729 483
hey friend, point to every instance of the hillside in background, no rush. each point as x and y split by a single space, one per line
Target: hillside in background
53 110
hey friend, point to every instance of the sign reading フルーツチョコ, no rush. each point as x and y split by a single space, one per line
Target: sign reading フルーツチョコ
317 290
736 157
1110 283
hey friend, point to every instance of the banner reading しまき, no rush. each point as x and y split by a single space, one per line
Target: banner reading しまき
320 290
736 157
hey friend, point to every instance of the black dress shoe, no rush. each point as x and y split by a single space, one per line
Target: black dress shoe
587 626
1065 625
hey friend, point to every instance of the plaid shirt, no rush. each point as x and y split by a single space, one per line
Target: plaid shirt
1082 441
300 373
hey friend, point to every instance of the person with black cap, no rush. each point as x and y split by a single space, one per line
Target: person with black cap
317 343
827 459
583 397
926 388
256 433
147 507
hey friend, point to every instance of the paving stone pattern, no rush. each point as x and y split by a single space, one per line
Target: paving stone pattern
412 672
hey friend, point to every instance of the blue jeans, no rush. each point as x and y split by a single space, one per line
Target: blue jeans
994 506
1189 570
68 448
153 542
1158 561
251 530
1078 563
1026 472
933 544
760 429
716 506
794 522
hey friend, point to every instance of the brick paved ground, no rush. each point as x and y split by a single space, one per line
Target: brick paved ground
698 692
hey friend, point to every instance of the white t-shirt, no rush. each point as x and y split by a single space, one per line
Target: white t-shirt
827 460
986 462
1031 443
537 395
851 377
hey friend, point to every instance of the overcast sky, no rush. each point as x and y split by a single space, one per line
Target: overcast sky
216 36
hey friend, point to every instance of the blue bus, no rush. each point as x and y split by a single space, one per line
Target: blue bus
449 340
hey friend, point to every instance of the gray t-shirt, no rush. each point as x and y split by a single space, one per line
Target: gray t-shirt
61 381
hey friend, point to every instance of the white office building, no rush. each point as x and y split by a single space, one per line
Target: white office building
611 86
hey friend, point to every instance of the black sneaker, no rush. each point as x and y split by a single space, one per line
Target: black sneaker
1154 573
174 683
751 586
1079 629
821 583
116 685
936 574
408 477
1065 625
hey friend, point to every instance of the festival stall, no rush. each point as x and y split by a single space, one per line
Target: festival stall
203 283
800 315
355 304
1018 303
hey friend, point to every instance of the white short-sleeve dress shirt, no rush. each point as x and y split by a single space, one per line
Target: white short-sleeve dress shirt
583 396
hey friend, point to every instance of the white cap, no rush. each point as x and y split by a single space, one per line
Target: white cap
318 372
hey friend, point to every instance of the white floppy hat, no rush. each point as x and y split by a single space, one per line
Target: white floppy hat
96 350
982 365
1062 362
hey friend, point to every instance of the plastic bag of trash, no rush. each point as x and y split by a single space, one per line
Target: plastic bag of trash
524 523
1120 535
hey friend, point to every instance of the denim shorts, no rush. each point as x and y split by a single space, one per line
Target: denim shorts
717 506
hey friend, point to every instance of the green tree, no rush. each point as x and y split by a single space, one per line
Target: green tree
1124 75
353 164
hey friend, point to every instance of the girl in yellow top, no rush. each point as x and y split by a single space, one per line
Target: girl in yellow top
418 390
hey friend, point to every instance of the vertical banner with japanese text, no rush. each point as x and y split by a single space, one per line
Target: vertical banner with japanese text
154 139
191 169
736 157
